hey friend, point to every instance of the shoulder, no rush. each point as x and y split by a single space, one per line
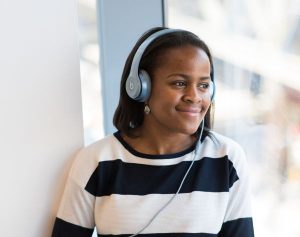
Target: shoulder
87 158
224 142
100 147
221 146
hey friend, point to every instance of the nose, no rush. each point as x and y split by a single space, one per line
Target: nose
192 94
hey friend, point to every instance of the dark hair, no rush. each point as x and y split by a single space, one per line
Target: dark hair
130 113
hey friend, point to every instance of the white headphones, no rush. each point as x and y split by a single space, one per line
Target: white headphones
138 83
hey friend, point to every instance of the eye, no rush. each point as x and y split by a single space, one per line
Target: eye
204 86
179 83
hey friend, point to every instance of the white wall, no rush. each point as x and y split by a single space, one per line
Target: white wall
40 104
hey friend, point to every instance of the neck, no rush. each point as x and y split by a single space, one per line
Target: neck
158 142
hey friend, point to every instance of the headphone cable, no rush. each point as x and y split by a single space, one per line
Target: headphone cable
197 148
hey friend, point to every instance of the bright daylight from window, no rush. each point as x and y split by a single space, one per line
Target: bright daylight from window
256 49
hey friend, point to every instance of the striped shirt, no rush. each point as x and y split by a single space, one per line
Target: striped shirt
117 189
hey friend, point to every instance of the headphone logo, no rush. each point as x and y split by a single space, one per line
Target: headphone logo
131 86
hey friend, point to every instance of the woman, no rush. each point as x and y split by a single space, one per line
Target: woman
164 173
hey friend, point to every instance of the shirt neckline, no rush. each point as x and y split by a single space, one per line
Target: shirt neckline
151 156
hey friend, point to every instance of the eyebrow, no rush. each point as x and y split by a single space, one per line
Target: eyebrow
188 77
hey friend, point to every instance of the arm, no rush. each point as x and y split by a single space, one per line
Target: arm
75 217
238 219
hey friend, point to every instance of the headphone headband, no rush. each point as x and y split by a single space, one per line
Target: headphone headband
134 70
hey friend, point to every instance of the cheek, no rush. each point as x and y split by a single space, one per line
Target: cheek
163 95
206 104
161 102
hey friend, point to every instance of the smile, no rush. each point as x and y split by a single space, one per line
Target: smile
190 112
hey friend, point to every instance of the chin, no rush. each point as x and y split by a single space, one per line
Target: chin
190 131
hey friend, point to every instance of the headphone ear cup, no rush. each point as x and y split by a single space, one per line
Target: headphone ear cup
133 87
145 83
139 88
212 91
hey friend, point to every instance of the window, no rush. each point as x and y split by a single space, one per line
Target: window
89 72
256 45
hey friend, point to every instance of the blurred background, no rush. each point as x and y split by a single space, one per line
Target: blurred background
256 49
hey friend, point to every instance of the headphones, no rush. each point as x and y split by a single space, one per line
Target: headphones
138 83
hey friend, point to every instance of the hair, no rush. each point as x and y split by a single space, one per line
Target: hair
130 113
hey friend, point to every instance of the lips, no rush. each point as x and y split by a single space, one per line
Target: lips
190 110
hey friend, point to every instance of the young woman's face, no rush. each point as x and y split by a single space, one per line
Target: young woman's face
180 95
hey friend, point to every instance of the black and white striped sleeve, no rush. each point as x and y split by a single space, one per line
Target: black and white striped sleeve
238 220
75 216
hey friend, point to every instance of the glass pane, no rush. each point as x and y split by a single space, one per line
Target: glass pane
256 48
89 71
